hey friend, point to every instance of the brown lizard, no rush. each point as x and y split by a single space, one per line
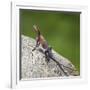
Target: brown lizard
48 50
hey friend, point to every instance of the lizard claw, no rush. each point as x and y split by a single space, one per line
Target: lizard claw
33 49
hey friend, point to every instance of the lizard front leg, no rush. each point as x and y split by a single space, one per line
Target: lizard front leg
47 56
37 45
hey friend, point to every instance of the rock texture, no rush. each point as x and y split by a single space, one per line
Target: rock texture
34 65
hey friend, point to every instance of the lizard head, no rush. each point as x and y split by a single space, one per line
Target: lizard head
36 29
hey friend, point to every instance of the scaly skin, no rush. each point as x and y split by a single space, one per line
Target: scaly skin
40 39
48 50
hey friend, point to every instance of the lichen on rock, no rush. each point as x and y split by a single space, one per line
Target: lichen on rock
34 65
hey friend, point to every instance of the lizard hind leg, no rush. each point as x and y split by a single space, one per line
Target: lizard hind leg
47 56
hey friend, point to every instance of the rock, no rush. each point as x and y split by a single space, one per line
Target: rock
34 65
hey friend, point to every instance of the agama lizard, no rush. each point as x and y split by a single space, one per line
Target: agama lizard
48 50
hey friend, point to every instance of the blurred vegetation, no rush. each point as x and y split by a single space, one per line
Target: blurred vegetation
61 30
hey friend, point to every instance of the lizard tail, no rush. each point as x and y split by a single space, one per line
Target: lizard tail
60 66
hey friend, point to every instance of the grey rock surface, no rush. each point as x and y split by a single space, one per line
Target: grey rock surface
34 65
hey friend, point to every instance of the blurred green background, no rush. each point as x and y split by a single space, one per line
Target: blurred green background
61 30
